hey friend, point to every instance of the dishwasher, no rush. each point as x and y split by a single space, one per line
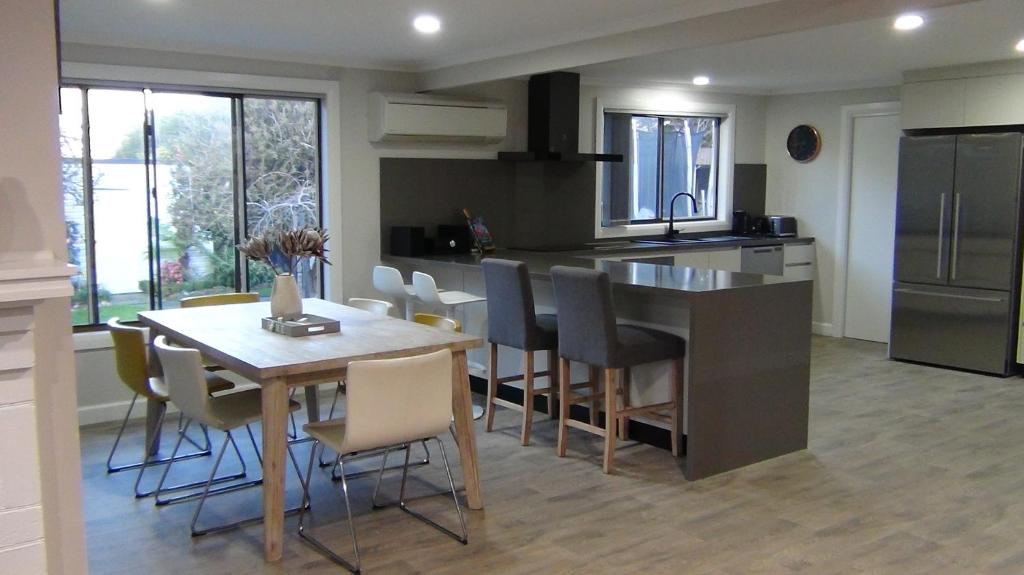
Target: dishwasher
766 260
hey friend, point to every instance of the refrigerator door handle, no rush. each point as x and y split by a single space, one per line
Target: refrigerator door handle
956 235
949 295
938 252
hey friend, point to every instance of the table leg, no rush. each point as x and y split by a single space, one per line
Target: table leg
462 408
275 435
312 403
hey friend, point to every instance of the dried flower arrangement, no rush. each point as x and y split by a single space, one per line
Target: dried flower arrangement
293 245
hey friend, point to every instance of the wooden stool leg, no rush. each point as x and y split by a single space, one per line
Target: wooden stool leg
593 394
492 385
610 418
552 381
528 371
677 387
624 421
564 379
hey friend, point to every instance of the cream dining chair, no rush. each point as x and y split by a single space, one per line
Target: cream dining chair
183 372
392 403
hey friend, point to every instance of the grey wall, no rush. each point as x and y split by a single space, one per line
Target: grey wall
523 203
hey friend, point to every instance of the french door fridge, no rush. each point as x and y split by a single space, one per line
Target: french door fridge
957 252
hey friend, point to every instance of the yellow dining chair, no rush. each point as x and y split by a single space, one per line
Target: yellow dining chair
440 322
132 360
220 299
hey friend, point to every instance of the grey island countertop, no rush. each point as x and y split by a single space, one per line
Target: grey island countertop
634 274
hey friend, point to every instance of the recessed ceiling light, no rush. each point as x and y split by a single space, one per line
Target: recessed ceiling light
908 22
427 24
1020 45
701 80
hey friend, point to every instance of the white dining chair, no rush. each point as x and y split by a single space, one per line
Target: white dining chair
184 376
392 403
426 291
388 281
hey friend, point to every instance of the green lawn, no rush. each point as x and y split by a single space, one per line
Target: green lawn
125 311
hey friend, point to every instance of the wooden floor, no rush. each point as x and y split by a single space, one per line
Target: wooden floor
911 469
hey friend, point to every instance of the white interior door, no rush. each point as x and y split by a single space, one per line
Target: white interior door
872 227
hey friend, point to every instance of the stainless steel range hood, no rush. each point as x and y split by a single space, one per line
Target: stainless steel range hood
554 122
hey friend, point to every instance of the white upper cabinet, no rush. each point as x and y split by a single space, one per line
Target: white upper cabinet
965 102
937 104
994 101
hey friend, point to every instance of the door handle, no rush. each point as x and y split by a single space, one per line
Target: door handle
798 264
942 218
763 250
949 295
956 235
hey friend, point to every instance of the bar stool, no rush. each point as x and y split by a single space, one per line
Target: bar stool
426 291
588 333
388 281
513 322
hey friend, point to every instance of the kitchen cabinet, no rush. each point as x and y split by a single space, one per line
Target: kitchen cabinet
727 259
936 104
799 261
693 259
766 260
963 102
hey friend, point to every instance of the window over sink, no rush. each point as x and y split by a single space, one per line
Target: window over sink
664 155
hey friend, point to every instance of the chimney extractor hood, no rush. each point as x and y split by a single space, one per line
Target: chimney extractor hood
554 122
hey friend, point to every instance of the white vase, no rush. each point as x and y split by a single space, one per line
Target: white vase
285 300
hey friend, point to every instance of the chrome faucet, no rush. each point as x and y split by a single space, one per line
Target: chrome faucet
671 212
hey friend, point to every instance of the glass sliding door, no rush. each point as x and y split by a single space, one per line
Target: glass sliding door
119 222
194 159
159 186
282 177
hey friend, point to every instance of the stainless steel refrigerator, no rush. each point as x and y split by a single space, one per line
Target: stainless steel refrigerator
957 255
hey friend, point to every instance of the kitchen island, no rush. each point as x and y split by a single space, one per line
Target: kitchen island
748 345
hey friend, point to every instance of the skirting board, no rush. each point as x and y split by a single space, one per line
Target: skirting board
114 411
821 328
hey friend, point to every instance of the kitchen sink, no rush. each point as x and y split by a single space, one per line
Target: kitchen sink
724 238
669 242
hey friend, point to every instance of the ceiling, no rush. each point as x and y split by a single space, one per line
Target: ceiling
773 46
366 33
857 54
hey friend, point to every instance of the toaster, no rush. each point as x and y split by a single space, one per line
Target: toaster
781 226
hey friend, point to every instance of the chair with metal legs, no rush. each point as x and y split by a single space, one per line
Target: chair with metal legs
230 299
379 307
183 371
132 360
392 402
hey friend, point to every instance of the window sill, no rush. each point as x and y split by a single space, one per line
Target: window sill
634 230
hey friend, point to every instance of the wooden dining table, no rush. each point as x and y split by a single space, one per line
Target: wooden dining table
232 336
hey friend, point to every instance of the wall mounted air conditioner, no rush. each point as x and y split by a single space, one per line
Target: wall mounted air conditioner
426 118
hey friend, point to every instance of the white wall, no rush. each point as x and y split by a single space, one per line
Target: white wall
37 420
810 191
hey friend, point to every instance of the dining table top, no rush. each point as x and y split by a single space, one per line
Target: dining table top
233 336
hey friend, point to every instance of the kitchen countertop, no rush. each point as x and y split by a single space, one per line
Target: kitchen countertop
633 274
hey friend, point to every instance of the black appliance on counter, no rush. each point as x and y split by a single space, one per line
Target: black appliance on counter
781 226
452 240
408 241
740 223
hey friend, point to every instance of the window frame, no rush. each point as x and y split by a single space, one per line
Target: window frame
327 94
724 170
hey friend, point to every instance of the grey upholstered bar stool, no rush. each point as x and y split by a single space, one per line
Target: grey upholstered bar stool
512 321
588 333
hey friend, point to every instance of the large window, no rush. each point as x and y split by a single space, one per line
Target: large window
159 186
663 156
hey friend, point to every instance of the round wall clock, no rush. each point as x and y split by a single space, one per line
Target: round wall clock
803 143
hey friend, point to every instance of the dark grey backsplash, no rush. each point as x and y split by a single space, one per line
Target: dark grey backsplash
525 204
749 182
